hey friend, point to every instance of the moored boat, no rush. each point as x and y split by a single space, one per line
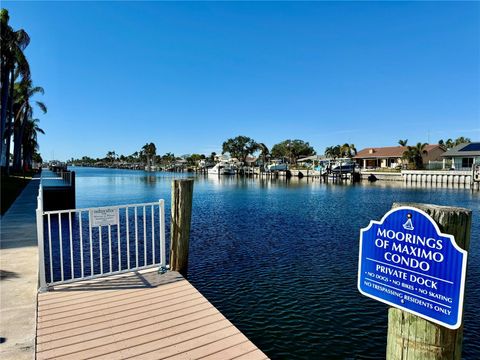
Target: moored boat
222 168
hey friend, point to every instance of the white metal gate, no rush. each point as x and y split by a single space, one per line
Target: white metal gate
87 243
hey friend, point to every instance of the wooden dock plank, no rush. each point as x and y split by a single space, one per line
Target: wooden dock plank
139 327
142 315
120 302
242 348
112 319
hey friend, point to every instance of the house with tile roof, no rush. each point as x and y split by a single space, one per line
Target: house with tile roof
463 156
392 156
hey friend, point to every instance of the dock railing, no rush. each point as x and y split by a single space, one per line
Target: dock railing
87 243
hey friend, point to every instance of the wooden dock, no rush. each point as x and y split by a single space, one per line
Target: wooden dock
141 315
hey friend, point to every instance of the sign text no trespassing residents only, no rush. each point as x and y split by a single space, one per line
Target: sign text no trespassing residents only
406 262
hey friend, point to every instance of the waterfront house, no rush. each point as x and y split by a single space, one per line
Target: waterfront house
392 156
463 156
251 161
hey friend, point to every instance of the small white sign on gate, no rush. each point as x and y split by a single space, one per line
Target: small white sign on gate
104 217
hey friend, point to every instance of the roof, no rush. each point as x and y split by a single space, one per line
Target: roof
465 149
387 152
313 157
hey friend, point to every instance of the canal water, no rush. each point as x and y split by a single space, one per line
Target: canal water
279 259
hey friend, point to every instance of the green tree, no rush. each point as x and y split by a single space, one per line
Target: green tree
23 110
446 143
264 152
37 157
133 158
333 151
149 150
348 150
292 150
194 159
413 154
12 60
111 156
211 158
239 147
30 143
449 143
462 140
403 142
168 158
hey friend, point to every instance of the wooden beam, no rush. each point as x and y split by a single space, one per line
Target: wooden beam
181 211
411 337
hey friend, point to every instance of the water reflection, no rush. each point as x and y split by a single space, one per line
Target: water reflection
279 258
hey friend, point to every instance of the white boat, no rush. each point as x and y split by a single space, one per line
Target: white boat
277 166
222 168
151 168
343 166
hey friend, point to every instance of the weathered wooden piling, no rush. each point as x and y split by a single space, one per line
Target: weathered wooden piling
412 337
181 214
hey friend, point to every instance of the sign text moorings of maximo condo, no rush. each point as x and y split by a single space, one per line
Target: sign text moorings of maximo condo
406 262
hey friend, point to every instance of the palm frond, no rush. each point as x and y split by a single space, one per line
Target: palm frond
42 106
36 90
23 39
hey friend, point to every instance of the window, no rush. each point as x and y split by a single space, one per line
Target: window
467 162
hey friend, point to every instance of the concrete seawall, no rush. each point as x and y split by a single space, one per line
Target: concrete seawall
437 177
383 176
423 176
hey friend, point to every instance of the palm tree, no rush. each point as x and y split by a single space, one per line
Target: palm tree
413 154
333 151
149 150
403 142
264 152
23 110
211 158
461 140
111 156
168 158
30 143
348 150
448 144
12 60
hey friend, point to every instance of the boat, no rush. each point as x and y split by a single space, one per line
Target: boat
343 166
277 166
222 168
151 168
346 166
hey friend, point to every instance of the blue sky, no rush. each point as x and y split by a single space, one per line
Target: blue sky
187 76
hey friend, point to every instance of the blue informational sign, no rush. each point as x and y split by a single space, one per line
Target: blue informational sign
406 262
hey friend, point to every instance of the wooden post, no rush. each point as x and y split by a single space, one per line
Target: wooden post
182 191
410 336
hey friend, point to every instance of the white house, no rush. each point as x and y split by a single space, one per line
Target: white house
463 156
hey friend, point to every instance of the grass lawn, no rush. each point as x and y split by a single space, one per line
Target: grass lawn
11 186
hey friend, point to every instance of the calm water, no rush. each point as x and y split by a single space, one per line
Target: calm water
280 259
